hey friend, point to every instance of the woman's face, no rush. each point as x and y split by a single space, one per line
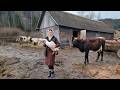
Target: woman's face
50 33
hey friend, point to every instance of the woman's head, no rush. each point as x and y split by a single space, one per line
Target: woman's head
50 33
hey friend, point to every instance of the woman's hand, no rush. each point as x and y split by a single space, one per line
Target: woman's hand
56 53
44 44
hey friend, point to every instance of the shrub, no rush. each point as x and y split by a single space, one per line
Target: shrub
10 32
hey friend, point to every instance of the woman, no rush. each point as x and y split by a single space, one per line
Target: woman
49 55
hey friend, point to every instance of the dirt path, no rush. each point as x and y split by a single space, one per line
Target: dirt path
28 63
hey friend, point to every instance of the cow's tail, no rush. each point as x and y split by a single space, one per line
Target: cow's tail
103 45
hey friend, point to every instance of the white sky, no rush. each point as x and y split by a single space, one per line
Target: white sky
104 14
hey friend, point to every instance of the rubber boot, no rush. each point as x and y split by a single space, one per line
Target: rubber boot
52 74
49 74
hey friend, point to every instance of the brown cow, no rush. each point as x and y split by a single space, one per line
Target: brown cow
96 44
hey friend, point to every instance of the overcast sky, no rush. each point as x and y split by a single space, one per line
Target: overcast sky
105 14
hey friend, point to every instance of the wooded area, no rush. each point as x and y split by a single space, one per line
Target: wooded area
25 20
114 23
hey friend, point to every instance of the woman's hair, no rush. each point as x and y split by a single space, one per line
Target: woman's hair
50 30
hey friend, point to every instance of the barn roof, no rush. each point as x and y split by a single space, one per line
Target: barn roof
74 21
70 20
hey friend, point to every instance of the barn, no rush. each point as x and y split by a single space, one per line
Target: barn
68 26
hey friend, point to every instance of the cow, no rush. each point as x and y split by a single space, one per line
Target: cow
23 39
96 44
35 41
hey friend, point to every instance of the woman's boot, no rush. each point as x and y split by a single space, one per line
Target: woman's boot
49 74
52 74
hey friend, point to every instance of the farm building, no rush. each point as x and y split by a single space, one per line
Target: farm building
68 26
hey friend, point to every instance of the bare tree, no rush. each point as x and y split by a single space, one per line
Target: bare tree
99 15
81 13
26 20
91 15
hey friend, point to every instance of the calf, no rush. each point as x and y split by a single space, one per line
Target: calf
23 39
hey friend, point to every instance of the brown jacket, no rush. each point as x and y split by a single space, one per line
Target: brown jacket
49 57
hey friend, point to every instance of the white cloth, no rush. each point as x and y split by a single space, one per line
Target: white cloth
50 37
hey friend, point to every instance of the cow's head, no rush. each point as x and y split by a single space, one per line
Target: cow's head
79 43
76 43
20 38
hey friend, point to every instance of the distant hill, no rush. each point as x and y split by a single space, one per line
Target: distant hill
114 23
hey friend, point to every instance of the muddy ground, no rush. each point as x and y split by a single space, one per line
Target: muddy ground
18 62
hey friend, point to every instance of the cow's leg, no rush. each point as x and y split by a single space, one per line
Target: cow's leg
98 56
85 61
101 55
86 57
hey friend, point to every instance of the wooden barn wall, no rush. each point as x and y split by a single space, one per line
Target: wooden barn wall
47 21
65 36
93 34
107 35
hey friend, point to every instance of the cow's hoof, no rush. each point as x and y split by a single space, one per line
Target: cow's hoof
96 60
101 60
85 64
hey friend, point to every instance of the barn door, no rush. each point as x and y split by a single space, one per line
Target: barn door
76 34
83 34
